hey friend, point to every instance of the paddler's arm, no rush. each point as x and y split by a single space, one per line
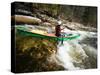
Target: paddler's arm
62 28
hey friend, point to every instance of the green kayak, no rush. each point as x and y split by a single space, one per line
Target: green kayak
24 31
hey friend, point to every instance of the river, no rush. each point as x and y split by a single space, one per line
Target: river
80 53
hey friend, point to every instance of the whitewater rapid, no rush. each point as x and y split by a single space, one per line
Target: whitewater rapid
80 53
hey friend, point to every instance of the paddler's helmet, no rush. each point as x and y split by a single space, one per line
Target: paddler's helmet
59 22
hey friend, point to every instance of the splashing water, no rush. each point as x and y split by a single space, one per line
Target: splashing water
70 53
76 54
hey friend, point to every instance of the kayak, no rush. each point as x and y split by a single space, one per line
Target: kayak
26 32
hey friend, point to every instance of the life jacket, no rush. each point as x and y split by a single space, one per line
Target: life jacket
58 30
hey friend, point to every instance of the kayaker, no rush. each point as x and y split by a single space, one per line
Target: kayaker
58 29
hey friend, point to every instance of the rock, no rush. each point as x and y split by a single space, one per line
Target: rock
26 19
46 24
78 26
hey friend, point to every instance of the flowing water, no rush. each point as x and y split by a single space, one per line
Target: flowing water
80 53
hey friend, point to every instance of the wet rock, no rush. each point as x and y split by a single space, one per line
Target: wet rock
26 19
32 54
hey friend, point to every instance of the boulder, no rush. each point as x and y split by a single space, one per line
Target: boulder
26 19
